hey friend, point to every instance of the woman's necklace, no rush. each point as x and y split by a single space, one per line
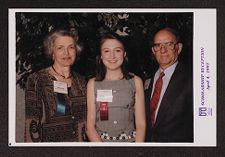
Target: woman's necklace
61 74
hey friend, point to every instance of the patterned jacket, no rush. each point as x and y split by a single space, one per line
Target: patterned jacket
42 123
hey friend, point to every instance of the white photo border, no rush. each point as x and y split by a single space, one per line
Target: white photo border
204 78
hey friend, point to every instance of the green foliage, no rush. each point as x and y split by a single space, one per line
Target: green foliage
136 28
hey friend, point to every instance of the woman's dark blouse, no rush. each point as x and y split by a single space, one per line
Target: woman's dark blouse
42 122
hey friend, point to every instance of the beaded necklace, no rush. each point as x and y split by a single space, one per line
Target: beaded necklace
61 74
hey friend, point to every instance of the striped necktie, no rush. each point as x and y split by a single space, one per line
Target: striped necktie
155 97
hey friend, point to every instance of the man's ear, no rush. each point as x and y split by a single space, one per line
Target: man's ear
153 51
180 46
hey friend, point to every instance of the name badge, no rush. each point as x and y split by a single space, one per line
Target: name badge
104 96
60 87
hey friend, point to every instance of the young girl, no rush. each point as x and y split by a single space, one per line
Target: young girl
115 98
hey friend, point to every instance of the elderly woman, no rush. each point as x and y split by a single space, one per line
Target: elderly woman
56 96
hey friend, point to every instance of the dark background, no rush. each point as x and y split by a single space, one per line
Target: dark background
32 28
111 151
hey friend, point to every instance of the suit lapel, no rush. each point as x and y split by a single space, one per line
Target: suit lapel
170 94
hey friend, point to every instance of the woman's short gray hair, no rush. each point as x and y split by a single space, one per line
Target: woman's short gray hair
53 35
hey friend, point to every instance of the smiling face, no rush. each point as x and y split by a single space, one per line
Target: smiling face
112 54
166 54
64 51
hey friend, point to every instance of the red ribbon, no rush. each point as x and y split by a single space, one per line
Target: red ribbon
104 111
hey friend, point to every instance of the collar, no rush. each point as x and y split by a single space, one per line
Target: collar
168 71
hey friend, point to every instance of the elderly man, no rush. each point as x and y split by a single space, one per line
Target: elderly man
169 94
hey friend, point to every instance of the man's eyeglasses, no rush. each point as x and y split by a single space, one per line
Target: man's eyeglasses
166 45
